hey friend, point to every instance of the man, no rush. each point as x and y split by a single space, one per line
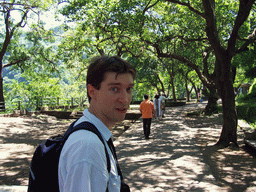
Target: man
147 110
83 164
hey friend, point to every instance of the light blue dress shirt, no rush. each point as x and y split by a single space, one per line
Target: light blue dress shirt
83 164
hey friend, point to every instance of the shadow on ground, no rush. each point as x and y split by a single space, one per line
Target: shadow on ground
19 137
168 161
232 167
179 156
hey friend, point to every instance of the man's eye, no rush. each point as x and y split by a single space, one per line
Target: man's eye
130 89
114 89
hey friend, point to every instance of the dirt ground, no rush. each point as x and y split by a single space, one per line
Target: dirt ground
232 167
20 135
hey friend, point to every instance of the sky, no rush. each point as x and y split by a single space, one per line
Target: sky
47 17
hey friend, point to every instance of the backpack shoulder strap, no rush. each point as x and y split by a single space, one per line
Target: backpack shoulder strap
90 127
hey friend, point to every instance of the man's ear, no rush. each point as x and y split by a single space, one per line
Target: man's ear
91 91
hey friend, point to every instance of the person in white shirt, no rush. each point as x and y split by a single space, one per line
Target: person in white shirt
83 163
162 99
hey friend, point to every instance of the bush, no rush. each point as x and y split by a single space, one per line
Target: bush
246 106
251 93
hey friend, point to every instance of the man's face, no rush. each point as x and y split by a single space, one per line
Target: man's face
111 102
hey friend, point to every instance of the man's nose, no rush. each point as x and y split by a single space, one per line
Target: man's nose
123 97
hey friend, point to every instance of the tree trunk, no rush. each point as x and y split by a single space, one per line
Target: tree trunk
162 84
2 102
172 75
229 130
197 93
224 84
212 105
173 90
187 90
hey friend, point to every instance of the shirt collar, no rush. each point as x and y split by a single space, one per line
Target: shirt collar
105 132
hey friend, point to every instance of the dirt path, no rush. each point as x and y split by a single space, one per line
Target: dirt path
234 168
19 137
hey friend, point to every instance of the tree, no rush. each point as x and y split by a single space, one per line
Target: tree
12 23
191 32
206 27
224 73
198 27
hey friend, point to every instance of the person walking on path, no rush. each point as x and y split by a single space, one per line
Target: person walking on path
163 100
158 108
147 110
83 164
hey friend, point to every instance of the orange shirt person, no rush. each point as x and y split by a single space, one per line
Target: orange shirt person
147 110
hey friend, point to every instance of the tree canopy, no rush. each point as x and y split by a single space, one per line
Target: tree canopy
174 44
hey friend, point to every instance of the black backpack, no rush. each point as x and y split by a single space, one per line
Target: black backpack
43 174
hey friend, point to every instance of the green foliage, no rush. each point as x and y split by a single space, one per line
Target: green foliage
252 90
129 29
247 61
31 89
248 100
73 7
241 78
246 105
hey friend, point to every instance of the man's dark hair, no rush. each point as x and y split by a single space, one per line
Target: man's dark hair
146 96
101 65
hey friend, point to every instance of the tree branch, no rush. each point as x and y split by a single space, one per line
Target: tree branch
250 39
243 13
211 29
181 59
167 38
148 6
206 55
9 32
188 6
15 62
